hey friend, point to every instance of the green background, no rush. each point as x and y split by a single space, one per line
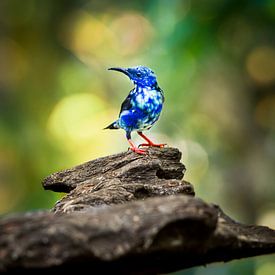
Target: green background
215 61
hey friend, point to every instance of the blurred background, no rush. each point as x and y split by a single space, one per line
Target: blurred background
215 61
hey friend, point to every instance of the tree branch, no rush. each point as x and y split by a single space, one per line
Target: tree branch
120 178
126 214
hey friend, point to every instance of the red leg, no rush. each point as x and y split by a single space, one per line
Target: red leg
150 143
136 149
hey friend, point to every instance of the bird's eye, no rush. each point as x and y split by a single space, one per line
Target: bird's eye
138 74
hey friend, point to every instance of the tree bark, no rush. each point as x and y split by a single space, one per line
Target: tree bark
126 214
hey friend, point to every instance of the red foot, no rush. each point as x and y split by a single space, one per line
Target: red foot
149 142
138 151
152 145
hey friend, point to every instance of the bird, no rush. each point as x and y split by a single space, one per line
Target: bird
141 108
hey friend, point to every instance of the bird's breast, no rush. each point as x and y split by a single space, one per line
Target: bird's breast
148 100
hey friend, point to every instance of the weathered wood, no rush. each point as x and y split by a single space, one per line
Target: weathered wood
126 214
113 191
125 167
153 236
120 178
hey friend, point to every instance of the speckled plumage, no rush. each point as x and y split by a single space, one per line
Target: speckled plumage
142 107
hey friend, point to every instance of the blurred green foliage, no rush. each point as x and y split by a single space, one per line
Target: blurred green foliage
215 61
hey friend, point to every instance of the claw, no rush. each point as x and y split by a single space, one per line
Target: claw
149 142
138 151
135 149
161 145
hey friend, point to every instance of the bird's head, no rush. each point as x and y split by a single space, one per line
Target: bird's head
140 75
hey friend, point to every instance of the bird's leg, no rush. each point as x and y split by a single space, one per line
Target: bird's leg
150 143
133 147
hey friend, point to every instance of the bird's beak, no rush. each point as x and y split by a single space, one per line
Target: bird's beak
122 70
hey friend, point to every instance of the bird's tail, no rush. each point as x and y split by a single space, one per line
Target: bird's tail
113 125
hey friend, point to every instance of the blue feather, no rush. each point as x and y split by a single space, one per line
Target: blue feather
143 106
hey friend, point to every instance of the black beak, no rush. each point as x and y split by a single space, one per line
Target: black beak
122 70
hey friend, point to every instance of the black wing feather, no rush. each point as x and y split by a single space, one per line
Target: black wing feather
126 104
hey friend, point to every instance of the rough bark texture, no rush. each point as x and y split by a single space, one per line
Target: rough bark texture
126 214
120 178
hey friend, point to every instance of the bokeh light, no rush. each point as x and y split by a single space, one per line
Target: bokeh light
133 32
261 65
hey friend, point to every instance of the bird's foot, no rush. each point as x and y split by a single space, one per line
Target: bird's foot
138 151
151 144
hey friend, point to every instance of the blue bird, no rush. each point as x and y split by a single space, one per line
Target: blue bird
142 107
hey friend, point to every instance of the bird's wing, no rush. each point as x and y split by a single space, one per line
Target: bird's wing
126 104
